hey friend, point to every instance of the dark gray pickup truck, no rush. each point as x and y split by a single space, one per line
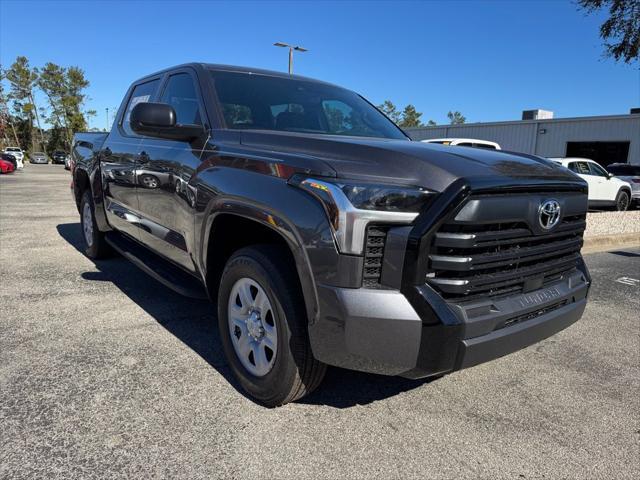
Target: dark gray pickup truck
323 234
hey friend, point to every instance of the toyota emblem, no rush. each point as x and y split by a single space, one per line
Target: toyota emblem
549 214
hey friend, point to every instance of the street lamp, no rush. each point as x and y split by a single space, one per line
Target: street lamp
291 49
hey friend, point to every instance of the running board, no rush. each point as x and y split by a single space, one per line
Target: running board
157 267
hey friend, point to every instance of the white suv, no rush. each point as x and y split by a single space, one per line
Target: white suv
604 189
16 152
465 142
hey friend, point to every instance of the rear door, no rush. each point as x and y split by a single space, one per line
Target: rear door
118 163
166 198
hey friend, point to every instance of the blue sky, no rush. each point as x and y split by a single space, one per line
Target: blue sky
487 59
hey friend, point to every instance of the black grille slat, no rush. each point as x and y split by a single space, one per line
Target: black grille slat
504 257
373 253
487 282
469 260
494 238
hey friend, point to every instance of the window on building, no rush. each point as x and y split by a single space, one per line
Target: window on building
602 152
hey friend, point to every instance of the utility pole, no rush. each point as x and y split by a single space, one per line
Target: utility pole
291 49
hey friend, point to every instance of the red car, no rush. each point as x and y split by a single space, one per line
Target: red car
6 167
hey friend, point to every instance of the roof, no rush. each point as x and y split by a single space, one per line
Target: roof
238 69
571 159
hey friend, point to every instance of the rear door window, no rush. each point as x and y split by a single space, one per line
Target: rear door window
580 167
141 93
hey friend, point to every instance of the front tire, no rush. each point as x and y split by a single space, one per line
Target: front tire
263 326
622 201
96 246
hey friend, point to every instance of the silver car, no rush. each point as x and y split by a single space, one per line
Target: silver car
628 173
39 157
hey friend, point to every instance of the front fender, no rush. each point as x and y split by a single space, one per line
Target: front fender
292 213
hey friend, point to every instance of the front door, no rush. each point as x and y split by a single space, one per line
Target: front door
166 198
584 172
118 159
607 190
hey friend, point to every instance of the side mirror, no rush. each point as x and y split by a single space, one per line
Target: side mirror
159 120
610 175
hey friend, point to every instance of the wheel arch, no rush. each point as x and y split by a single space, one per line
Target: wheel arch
81 182
625 188
83 179
241 225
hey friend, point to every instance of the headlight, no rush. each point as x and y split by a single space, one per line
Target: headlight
351 206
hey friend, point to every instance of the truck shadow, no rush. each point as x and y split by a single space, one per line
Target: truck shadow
194 323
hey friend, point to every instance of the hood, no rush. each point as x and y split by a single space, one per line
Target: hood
410 163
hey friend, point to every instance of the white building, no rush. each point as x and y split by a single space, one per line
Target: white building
605 139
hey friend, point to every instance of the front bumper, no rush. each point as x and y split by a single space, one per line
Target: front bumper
406 327
378 331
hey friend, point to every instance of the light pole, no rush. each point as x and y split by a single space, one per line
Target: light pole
291 49
107 129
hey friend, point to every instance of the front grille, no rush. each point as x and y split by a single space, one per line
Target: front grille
468 261
373 253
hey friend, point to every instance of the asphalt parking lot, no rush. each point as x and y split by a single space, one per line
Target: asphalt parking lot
106 373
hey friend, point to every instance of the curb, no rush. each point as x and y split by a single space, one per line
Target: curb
602 243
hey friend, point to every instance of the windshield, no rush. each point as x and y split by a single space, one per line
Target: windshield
261 102
13 149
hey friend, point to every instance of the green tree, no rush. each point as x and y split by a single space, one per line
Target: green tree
52 82
64 88
410 117
390 110
56 139
621 31
431 123
456 118
7 122
24 130
75 98
22 79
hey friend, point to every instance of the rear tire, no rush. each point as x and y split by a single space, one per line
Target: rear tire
622 201
96 247
291 372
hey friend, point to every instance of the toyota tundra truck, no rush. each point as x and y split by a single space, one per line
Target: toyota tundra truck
323 235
